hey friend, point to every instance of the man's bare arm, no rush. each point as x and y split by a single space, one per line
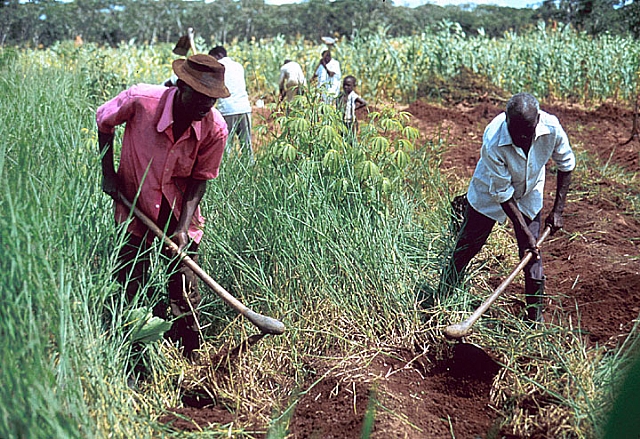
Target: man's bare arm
192 197
555 219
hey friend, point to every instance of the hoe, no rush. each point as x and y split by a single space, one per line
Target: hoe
267 325
185 43
472 353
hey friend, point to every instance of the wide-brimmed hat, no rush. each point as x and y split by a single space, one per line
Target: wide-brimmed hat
203 73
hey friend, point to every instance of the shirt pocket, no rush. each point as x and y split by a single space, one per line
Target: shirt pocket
184 161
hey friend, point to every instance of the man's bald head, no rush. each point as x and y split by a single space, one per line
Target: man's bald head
523 106
523 114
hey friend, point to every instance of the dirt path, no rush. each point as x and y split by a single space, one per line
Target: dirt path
593 274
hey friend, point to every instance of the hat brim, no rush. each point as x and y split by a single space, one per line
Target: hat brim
208 85
329 41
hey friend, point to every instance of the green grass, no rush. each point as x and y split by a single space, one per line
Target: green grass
63 366
318 243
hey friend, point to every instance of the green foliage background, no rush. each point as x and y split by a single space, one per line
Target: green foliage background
335 235
227 21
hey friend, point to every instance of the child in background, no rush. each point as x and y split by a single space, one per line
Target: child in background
348 101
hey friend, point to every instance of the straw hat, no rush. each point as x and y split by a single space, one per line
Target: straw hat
203 73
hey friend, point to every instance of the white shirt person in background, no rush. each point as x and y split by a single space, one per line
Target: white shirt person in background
236 109
291 81
329 77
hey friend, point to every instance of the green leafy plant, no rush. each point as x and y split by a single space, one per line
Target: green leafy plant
145 327
375 157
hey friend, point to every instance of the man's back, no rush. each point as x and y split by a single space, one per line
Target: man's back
238 102
291 73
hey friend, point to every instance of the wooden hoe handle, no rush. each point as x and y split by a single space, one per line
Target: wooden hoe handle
192 43
462 329
267 325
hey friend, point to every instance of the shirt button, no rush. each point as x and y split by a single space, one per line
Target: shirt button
157 206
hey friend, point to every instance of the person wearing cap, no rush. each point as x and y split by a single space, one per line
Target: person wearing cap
329 77
173 142
236 109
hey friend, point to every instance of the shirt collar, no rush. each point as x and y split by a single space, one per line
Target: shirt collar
166 117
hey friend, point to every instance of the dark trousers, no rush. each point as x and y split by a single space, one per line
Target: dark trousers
474 233
134 259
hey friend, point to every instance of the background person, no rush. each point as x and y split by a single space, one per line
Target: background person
348 102
329 77
236 109
291 80
173 143
508 182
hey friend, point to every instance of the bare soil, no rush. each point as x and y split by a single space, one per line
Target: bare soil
593 273
593 270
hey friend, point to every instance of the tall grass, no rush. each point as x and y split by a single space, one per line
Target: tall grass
63 366
329 264
316 242
39 234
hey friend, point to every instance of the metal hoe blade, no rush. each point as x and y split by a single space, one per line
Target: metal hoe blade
182 46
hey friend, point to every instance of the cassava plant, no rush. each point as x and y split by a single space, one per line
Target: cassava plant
374 157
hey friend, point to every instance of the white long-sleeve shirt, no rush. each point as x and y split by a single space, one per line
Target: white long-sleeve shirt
329 84
504 171
238 102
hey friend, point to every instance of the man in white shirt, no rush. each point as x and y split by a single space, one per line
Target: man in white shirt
236 109
508 182
329 77
291 80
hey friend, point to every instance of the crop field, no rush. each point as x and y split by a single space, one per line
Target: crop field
342 237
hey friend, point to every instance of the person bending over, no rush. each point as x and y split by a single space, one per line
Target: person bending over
508 182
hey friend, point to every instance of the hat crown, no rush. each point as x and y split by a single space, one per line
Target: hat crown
203 73
206 63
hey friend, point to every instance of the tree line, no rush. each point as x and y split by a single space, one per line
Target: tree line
42 23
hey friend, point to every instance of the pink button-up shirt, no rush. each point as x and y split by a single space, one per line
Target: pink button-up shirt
153 161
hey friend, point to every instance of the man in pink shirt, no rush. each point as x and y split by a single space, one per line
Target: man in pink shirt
173 143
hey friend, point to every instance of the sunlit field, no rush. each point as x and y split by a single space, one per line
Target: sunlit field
341 237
